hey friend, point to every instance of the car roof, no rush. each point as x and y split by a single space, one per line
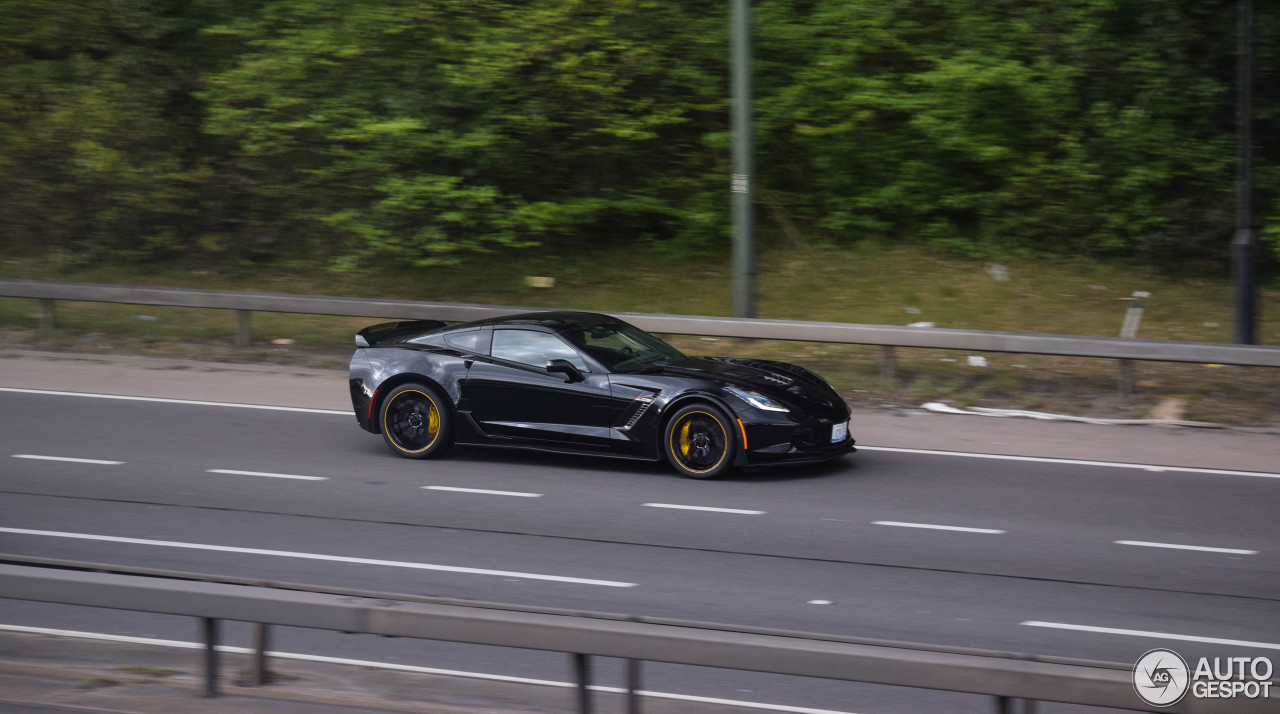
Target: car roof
557 320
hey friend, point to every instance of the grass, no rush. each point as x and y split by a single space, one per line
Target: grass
869 284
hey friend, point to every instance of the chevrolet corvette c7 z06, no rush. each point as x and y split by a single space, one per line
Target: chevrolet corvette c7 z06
588 383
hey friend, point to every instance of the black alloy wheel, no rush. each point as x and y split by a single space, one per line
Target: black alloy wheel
416 421
699 441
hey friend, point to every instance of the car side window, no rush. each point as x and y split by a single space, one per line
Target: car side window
463 340
533 348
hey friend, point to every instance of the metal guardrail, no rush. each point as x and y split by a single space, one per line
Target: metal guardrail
886 336
1001 675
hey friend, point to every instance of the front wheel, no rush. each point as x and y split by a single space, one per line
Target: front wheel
417 422
699 441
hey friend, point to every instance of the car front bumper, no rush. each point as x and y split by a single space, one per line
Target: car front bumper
770 443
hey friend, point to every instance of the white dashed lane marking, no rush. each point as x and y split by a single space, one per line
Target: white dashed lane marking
67 458
931 526
483 491
267 475
1174 546
678 507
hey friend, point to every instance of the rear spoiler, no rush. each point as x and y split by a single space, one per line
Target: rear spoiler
390 332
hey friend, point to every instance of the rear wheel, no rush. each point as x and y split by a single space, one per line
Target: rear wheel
417 422
699 441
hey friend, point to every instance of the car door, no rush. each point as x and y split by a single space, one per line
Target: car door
513 395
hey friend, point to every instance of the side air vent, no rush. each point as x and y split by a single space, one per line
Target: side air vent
645 403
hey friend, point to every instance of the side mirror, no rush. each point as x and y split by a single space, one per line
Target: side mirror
565 367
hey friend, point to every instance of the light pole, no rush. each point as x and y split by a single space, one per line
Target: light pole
744 269
1244 243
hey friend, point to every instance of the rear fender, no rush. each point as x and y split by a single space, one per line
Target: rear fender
375 405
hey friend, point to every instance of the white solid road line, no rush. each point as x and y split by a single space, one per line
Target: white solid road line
410 668
930 526
1234 551
1152 635
1073 462
965 454
318 556
67 458
705 508
346 413
268 475
483 491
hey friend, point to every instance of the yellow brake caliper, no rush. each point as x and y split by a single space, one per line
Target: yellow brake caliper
684 438
433 420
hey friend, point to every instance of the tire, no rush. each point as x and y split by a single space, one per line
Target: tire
417 423
699 441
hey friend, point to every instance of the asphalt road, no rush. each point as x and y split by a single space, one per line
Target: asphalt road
1028 555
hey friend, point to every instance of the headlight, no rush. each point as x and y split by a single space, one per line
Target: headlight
756 399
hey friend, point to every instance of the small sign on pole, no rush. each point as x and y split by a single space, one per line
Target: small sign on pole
1129 330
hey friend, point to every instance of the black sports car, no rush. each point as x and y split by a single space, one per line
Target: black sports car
587 383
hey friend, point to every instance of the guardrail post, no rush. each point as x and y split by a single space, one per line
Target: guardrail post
633 686
209 630
242 328
1126 378
582 677
1009 705
259 675
888 362
46 316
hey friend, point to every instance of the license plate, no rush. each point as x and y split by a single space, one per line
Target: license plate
839 432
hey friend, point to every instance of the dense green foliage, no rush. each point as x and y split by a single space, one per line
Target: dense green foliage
416 132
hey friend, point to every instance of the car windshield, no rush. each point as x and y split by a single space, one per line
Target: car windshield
623 348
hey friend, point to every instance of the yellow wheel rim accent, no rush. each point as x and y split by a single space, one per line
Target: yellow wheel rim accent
685 422
433 420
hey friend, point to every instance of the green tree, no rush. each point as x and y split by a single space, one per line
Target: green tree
1090 126
417 132
101 150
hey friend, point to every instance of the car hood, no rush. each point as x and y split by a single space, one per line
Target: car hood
794 386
